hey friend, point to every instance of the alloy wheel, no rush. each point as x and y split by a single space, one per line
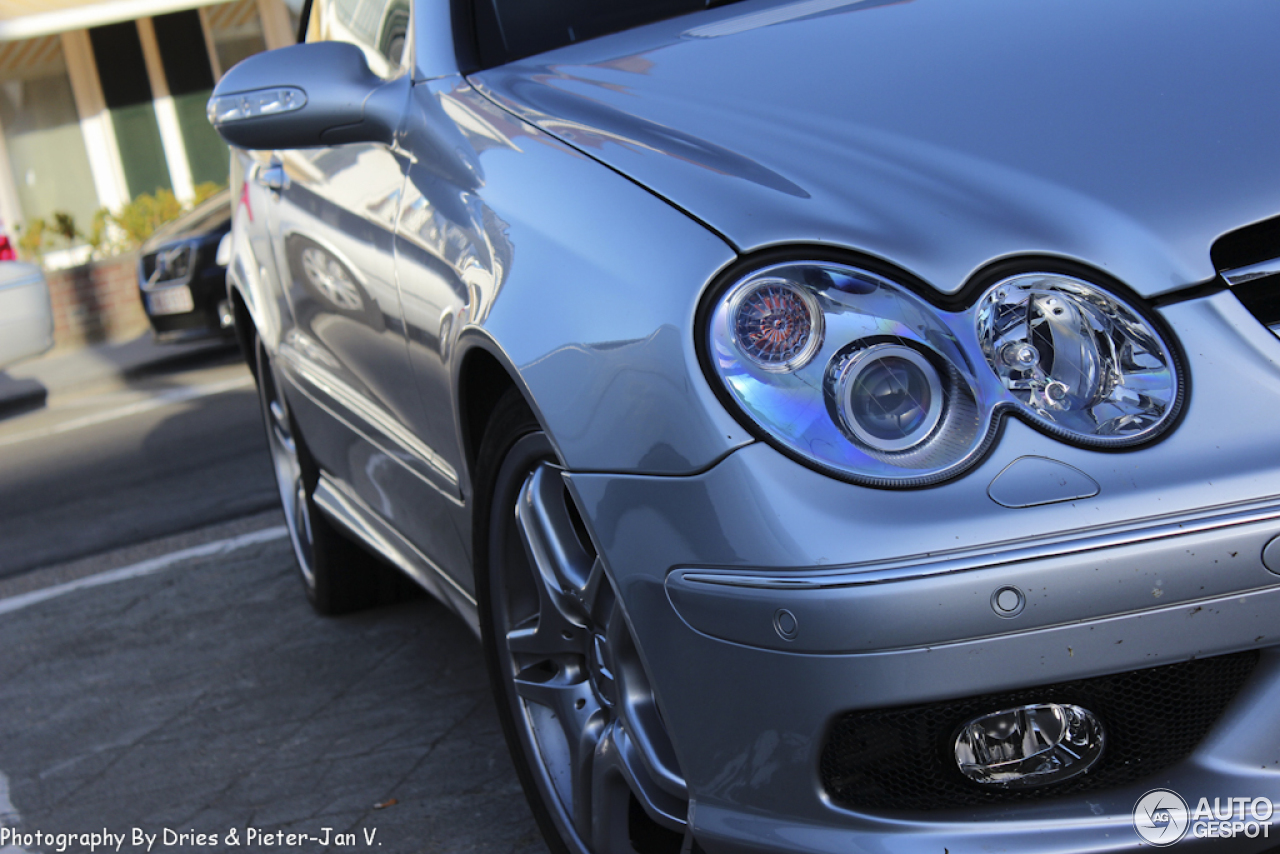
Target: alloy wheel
580 703
286 463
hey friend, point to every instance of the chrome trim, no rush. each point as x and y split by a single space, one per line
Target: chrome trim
1190 572
1241 275
991 556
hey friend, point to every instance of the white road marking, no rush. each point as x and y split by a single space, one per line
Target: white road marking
8 815
167 398
146 567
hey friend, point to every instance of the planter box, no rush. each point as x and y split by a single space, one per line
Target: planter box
97 301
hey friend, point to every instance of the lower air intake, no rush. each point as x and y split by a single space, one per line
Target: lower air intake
902 759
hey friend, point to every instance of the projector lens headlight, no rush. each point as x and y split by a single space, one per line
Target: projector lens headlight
890 397
848 371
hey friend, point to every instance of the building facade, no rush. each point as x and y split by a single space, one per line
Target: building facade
103 101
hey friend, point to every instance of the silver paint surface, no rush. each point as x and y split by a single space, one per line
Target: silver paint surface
563 216
938 135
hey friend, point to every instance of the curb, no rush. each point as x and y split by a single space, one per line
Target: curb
113 363
18 396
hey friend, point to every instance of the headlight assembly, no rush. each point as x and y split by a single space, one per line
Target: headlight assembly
1079 362
847 370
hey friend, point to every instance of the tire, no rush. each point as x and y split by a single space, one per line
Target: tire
339 576
576 707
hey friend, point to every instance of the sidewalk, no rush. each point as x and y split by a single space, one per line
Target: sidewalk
27 385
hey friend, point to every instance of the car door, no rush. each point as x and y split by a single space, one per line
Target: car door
332 214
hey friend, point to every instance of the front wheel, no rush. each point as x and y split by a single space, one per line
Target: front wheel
338 576
575 702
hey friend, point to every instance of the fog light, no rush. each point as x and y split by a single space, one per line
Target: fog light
1029 746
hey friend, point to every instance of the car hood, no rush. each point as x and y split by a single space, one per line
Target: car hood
938 135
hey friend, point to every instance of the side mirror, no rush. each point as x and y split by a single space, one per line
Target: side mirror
321 93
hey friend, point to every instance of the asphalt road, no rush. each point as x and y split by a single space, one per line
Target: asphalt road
117 466
170 690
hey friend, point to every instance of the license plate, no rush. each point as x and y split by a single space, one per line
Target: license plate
175 300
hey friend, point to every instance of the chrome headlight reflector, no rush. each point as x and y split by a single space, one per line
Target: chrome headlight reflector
1078 360
849 371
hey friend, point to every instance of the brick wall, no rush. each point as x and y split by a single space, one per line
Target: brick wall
96 302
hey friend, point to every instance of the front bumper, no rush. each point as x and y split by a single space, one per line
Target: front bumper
892 596
209 308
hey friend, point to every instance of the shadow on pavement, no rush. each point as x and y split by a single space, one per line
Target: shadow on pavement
27 386
20 395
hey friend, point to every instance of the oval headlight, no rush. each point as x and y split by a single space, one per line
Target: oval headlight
849 371
1077 359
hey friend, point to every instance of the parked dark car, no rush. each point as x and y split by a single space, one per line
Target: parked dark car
849 425
183 280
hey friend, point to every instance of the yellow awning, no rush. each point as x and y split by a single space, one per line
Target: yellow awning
24 19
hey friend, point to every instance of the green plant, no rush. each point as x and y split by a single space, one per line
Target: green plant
141 217
204 190
64 225
99 230
31 238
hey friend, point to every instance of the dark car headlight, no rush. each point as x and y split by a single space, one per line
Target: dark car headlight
172 263
849 371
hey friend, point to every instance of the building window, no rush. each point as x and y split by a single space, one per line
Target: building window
42 131
127 90
236 31
185 57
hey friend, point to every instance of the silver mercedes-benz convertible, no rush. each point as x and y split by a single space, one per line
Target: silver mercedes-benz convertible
849 425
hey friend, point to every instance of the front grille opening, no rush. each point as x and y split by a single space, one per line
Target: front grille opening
901 759
1262 298
1245 247
1252 244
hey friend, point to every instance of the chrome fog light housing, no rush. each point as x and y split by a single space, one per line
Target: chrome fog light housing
1029 746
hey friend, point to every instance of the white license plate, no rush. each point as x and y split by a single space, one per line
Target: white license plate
175 300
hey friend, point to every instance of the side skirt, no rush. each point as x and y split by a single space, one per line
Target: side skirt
351 515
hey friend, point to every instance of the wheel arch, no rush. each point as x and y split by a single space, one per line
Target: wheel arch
484 375
246 330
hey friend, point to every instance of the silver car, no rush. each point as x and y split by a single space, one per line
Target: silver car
849 425
26 312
